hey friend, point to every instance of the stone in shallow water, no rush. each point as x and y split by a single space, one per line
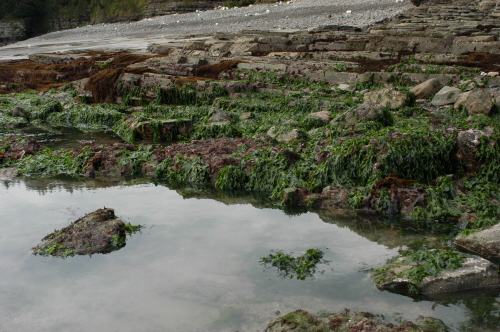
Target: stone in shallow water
96 232
475 273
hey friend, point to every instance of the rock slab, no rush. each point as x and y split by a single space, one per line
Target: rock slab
485 243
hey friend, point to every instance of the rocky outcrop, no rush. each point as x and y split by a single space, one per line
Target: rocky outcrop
11 32
96 232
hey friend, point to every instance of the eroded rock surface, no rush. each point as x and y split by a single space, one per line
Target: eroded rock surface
96 232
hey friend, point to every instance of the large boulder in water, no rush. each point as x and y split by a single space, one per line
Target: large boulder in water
96 232
434 272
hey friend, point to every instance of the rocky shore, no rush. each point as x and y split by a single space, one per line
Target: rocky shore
398 119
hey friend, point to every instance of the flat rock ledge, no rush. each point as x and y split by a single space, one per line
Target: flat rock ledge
475 273
348 320
485 243
96 232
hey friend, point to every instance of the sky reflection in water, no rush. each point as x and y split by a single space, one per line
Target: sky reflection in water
194 267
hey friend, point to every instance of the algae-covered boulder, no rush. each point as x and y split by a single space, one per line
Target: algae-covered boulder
348 320
433 272
485 243
96 232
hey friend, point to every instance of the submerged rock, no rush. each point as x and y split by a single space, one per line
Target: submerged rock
96 232
348 320
485 243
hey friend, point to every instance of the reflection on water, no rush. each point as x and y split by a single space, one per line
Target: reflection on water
195 266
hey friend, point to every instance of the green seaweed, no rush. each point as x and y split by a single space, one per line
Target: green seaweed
300 267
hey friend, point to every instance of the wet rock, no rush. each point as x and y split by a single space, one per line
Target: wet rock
218 115
20 112
18 148
294 196
387 97
331 198
96 232
477 101
475 272
447 95
347 320
426 89
399 199
485 243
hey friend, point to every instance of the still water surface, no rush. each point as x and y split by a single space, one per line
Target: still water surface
194 267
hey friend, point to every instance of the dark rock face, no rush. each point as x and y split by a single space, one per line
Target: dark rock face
96 232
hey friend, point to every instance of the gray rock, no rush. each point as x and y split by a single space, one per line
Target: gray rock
426 89
218 115
477 101
485 243
447 95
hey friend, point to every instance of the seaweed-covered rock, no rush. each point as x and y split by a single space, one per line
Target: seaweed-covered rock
433 272
348 320
485 243
96 232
